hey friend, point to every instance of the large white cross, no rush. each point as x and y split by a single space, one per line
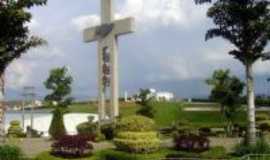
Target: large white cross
106 34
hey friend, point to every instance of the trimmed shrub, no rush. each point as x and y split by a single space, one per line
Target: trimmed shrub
136 124
137 142
191 143
136 134
72 146
10 153
57 128
15 130
89 127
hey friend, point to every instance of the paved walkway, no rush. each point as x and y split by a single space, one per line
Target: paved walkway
33 146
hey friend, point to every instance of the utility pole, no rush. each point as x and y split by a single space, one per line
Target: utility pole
29 96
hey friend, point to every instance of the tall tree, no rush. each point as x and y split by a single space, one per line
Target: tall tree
227 91
245 24
15 38
59 83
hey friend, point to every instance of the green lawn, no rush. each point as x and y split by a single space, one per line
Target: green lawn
168 113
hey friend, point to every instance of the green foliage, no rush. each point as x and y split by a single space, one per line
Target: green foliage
89 127
136 124
15 129
57 127
261 147
227 91
15 38
144 100
244 24
10 153
59 83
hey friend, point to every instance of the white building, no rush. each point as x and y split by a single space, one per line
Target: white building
161 96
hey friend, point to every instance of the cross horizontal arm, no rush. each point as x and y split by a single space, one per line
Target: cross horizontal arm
120 27
89 34
124 26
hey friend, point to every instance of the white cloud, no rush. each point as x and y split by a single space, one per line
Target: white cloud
45 53
164 12
33 24
18 74
85 21
262 67
152 13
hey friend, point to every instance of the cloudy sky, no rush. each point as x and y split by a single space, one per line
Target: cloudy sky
167 52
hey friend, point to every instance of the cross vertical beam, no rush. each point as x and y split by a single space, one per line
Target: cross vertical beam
107 11
107 34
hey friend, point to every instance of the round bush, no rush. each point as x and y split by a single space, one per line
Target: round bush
136 134
15 129
87 128
136 124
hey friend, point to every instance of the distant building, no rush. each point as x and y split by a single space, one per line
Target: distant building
161 96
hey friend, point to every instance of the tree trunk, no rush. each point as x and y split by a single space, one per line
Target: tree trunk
2 107
251 132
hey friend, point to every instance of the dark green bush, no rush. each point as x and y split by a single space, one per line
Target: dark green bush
205 131
87 128
57 128
10 153
34 133
116 155
261 147
108 130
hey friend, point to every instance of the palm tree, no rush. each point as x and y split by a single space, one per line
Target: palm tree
245 24
15 38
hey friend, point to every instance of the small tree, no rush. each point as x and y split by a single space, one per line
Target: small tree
59 83
144 100
227 91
